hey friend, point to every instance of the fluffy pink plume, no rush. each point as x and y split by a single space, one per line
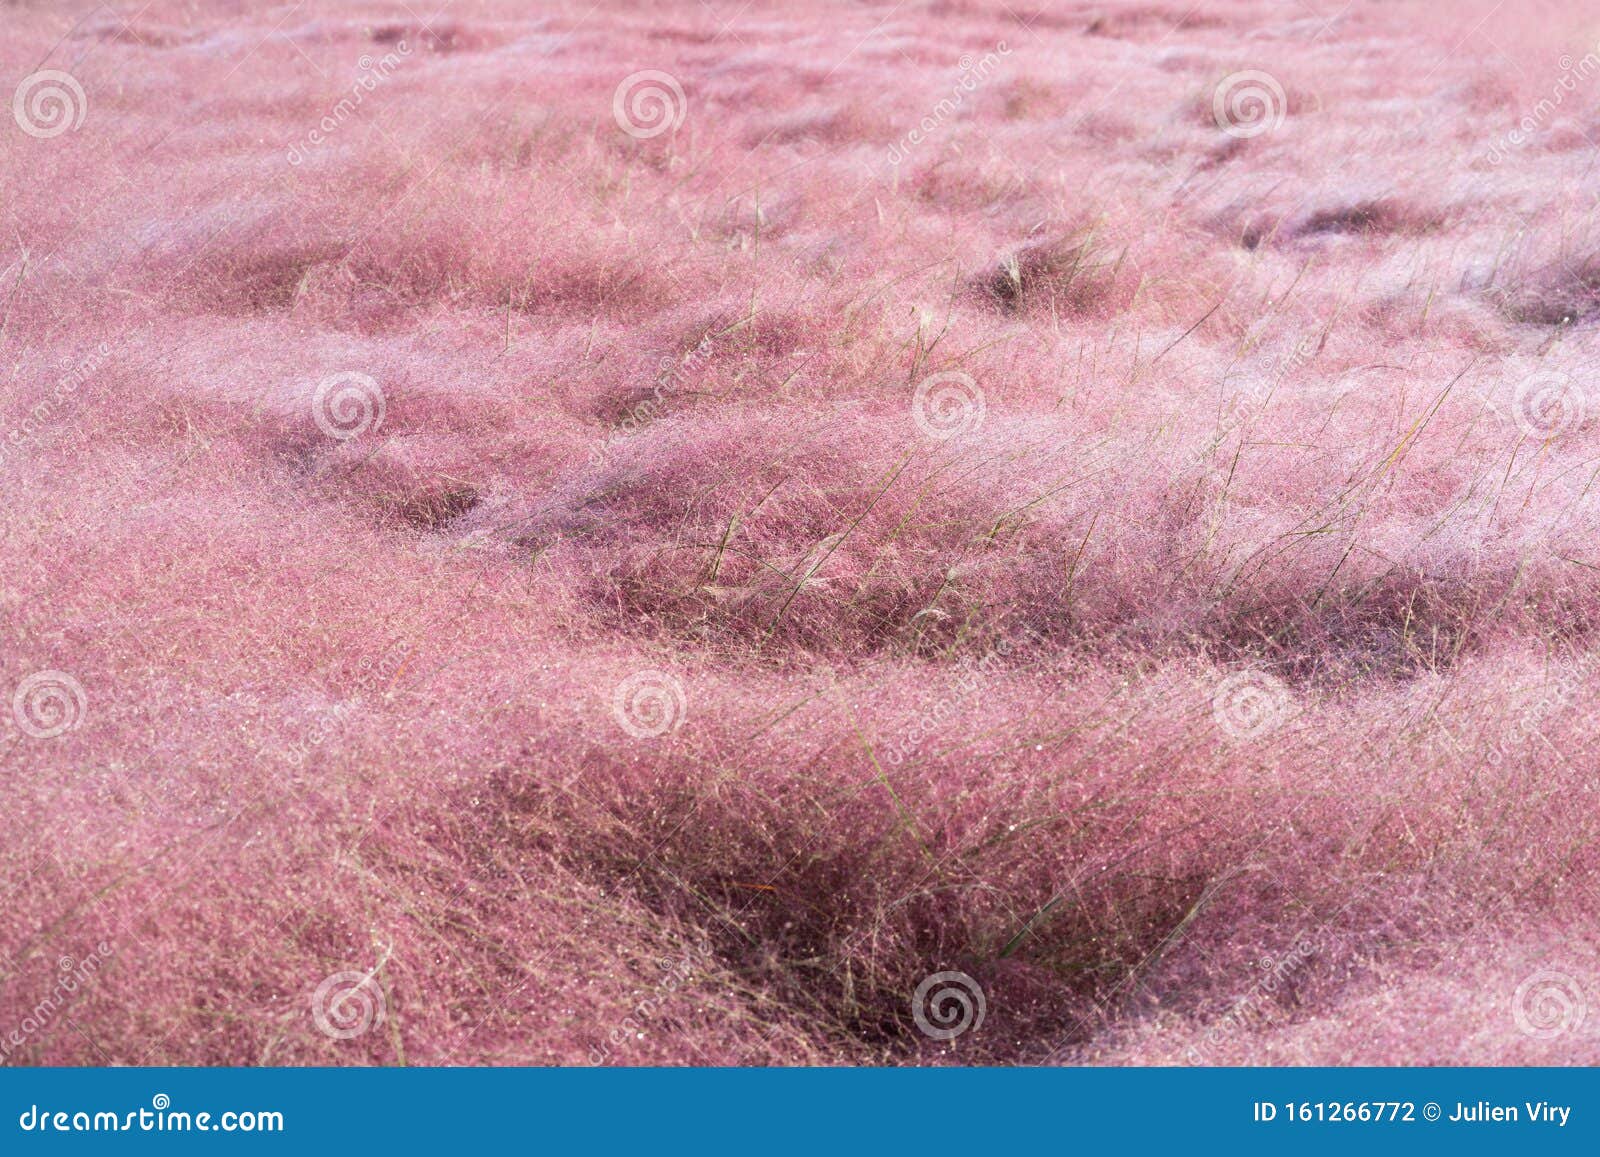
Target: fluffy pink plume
642 533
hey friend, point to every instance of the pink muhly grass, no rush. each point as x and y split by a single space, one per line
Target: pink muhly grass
628 669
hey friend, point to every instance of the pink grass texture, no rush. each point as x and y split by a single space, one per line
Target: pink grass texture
509 561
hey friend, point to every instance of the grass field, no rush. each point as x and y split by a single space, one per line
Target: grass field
942 532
